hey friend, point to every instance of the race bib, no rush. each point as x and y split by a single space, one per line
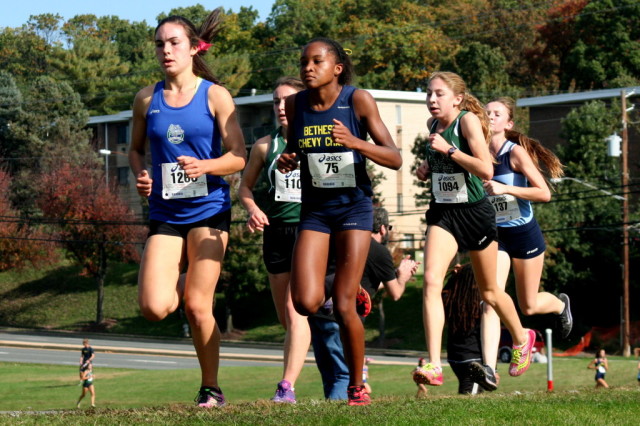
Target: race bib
506 207
332 170
176 183
449 188
288 186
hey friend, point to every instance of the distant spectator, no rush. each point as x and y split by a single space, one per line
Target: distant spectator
420 378
86 355
601 365
86 375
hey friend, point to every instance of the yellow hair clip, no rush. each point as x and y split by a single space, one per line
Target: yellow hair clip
348 51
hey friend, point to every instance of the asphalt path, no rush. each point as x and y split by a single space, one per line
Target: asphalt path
28 346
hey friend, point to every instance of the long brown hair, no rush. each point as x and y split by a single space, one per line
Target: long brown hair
462 304
540 155
469 102
208 30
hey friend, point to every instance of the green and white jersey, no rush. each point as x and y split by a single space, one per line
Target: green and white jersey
282 204
450 182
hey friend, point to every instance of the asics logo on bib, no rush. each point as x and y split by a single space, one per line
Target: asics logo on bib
443 178
330 158
174 168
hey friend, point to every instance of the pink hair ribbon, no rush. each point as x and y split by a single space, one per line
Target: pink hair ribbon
203 46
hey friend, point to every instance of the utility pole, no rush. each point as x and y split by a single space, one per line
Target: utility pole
626 348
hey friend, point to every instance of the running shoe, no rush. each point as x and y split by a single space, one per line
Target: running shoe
357 395
521 355
209 397
565 319
363 302
284 393
433 375
483 375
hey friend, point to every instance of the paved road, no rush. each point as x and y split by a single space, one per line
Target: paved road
143 353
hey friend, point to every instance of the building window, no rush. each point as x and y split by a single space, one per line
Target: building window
123 176
123 133
399 202
407 241
398 115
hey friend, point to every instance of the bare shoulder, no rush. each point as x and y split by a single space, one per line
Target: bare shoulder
262 144
470 119
219 95
362 95
143 99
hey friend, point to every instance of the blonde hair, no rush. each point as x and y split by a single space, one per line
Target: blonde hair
469 102
538 153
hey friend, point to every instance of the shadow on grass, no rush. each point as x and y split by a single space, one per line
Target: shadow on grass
28 303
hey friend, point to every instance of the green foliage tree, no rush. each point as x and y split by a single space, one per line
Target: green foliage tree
243 274
10 107
583 225
607 46
23 53
50 127
94 69
395 44
484 69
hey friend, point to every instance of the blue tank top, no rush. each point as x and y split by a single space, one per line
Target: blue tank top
189 130
312 135
503 173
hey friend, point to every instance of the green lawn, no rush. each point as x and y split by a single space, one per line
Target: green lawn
164 397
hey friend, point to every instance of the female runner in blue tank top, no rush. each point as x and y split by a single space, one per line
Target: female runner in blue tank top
328 125
460 217
185 118
278 219
517 181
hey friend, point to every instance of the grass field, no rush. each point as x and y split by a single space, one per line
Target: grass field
32 394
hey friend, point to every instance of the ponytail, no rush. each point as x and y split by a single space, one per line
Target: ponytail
472 104
540 155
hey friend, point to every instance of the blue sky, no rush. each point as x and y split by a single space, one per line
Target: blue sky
133 10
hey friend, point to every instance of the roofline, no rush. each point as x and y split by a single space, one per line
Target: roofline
120 116
577 97
378 95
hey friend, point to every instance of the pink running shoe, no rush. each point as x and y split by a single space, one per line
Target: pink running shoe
521 355
433 375
358 395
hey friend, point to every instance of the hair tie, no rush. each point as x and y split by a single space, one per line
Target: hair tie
348 51
203 46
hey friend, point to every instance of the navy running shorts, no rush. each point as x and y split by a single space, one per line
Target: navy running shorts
522 242
329 219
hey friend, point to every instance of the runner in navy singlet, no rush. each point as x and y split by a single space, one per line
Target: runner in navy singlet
329 123
518 181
